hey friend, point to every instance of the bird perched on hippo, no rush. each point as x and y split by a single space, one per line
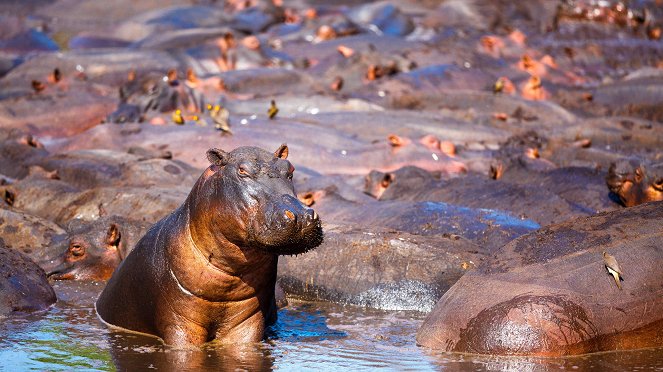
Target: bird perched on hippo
208 270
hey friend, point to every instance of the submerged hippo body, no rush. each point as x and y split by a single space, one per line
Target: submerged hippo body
549 294
208 270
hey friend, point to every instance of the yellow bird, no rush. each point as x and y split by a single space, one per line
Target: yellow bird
499 86
177 117
273 110
613 268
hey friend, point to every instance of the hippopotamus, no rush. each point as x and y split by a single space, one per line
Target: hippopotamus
156 92
208 269
87 169
59 201
17 152
550 293
488 228
414 184
24 287
634 182
31 235
379 268
93 249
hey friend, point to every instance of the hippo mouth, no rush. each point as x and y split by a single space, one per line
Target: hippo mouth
61 272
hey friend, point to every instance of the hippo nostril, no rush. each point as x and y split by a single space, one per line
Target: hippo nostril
290 215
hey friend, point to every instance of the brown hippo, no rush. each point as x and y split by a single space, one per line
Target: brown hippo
208 270
549 293
17 151
93 249
23 284
634 183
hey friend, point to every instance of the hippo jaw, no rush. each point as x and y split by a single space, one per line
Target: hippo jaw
288 228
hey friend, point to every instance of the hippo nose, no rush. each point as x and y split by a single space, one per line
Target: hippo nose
294 212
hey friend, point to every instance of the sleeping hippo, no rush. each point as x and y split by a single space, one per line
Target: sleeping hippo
208 270
635 183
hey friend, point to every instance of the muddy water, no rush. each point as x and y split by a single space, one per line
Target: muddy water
307 336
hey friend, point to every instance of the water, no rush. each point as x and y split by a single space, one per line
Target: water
308 336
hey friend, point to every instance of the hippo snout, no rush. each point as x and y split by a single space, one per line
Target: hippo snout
292 212
289 227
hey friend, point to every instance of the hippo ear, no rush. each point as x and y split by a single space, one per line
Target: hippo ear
217 157
282 152
113 236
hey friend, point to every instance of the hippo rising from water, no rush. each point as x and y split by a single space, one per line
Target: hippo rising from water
208 270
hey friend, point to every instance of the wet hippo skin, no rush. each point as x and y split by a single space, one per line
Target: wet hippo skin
548 293
208 270
23 285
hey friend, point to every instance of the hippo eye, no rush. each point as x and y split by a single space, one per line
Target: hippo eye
658 184
242 172
76 250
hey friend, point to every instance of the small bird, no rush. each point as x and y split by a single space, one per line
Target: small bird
221 117
273 110
613 268
177 117
499 86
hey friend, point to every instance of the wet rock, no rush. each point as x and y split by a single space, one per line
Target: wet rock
23 285
548 293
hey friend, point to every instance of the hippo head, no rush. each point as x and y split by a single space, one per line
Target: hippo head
247 195
153 91
91 254
634 183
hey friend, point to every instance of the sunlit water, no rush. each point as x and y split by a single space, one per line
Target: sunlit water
308 336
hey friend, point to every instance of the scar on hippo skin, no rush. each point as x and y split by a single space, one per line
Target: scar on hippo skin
526 325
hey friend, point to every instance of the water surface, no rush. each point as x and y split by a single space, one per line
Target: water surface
308 336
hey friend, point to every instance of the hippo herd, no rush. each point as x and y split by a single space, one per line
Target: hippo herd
495 164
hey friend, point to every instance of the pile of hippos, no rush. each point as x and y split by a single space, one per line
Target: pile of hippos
496 164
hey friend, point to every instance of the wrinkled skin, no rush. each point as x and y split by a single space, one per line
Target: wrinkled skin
634 183
94 249
208 270
548 293
23 285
